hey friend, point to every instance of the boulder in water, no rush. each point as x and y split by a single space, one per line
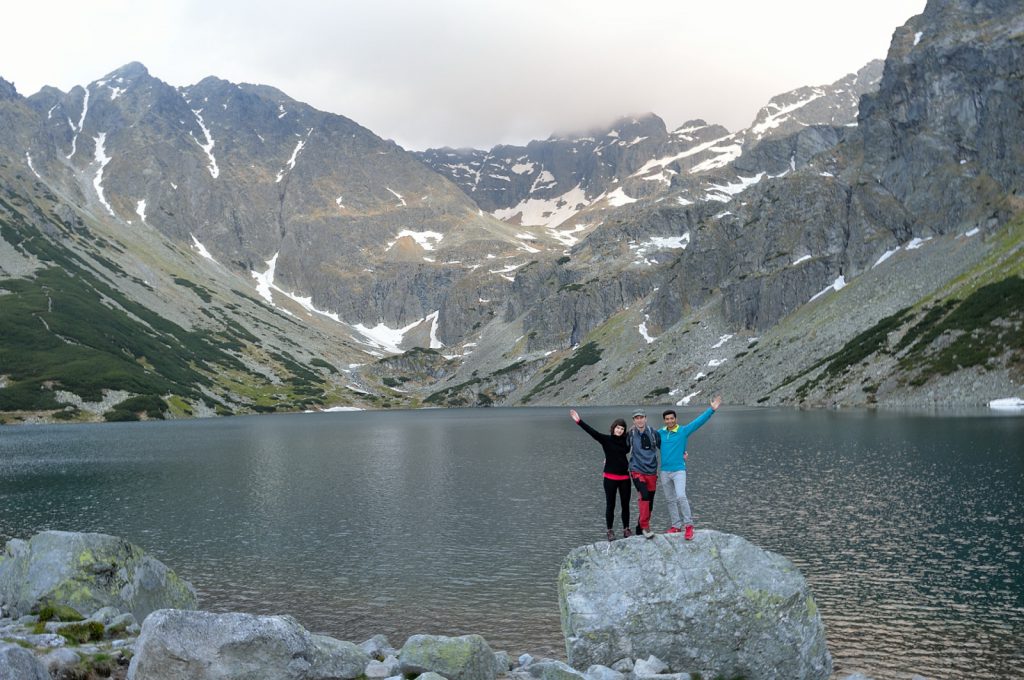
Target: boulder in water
716 605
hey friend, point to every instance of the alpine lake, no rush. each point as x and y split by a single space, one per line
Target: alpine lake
909 526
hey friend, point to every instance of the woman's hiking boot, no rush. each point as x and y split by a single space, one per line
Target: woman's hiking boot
626 533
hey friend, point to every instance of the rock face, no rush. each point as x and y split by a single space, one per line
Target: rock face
87 572
20 664
467 657
195 645
717 605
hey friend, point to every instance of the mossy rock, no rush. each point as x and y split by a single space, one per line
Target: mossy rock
86 572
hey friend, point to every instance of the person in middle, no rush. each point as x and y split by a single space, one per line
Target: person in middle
616 470
644 444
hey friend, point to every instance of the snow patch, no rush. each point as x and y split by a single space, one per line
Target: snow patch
1007 404
102 159
389 339
916 243
140 209
208 146
28 157
643 330
656 243
427 240
725 192
398 196
885 256
290 165
722 340
917 37
81 121
201 249
838 284
264 281
776 118
726 154
619 198
686 400
546 212
803 258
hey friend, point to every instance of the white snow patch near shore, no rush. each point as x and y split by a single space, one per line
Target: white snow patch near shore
1007 404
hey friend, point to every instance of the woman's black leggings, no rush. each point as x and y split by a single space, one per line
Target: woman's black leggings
624 490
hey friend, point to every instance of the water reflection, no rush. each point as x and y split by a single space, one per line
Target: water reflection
908 527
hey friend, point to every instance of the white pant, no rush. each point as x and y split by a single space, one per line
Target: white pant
673 485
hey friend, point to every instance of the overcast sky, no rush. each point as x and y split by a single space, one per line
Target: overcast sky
465 72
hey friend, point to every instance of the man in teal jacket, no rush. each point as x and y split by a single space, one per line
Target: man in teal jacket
673 467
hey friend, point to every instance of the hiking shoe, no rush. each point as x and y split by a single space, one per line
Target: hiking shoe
674 530
648 533
626 533
689 532
611 535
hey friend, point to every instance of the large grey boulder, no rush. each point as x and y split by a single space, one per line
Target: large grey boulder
87 572
467 657
197 645
20 664
717 605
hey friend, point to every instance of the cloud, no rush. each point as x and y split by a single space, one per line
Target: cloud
467 73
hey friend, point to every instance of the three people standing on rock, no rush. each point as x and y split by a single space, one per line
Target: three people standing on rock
644 443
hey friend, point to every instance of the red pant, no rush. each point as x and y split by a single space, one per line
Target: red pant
646 485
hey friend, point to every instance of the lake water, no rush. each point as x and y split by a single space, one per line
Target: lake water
909 527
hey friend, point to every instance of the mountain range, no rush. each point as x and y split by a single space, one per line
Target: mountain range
222 248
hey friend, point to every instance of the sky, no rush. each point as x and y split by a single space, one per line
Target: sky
466 73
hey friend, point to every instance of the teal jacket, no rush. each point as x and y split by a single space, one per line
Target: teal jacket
673 444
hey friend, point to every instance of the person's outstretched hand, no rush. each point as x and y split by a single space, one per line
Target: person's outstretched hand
575 416
716 402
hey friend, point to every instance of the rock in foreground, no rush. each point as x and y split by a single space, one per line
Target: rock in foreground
197 645
717 605
87 572
467 657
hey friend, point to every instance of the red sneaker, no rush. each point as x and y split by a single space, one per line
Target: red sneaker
673 530
689 532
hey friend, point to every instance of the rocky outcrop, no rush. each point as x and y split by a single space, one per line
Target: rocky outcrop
87 572
717 605
196 645
20 664
467 657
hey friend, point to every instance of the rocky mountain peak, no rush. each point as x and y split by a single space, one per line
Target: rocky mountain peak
623 128
7 90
